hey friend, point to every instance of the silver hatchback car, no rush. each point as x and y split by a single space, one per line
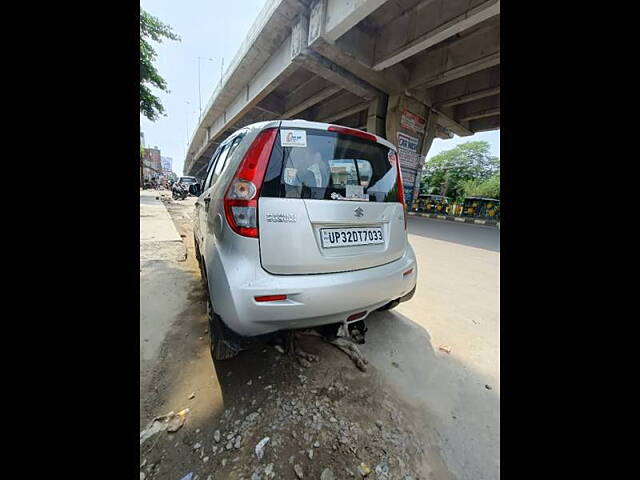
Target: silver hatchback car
300 224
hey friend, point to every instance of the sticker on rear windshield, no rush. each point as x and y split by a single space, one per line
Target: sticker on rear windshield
293 138
356 192
290 176
337 196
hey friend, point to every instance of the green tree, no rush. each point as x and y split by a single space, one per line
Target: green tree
489 188
447 172
151 29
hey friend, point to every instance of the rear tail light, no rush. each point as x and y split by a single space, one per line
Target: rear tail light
401 189
270 298
356 316
241 198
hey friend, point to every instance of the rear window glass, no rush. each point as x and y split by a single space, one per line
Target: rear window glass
331 167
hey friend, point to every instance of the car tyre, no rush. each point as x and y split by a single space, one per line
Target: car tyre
220 349
392 304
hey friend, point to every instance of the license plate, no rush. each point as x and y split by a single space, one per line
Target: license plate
350 237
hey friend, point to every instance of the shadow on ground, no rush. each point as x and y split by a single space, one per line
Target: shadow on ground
458 415
425 384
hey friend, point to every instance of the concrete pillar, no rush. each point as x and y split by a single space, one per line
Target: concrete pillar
411 127
376 116
430 134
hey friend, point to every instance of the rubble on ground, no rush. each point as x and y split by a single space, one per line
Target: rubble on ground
320 428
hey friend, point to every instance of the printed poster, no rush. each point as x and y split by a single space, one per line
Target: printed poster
409 163
412 122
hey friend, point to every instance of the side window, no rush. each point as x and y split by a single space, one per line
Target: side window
212 167
235 144
220 163
223 161
220 160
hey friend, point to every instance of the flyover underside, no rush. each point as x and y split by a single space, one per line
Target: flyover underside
424 69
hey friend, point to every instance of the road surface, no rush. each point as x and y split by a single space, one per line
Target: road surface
456 305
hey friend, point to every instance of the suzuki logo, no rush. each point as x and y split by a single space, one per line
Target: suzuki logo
358 212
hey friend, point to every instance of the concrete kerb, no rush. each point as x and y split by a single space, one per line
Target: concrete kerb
476 221
159 238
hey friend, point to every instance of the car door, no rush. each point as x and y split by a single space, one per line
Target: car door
200 204
227 149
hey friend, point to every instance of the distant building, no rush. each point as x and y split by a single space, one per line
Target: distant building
142 139
166 166
152 164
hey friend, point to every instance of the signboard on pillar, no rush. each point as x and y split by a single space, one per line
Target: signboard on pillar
408 156
412 122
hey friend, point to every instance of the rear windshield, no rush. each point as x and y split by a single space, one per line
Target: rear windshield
330 166
187 180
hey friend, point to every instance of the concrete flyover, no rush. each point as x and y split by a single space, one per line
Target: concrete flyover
407 70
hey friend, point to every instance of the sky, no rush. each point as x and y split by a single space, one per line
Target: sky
212 29
493 137
208 29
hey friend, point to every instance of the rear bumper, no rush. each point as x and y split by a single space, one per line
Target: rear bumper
314 300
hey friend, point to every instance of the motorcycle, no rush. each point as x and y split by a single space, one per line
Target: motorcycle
178 192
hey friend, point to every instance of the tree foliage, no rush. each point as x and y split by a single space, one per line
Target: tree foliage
151 29
489 188
449 172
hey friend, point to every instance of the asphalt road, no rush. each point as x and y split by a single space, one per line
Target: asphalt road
454 397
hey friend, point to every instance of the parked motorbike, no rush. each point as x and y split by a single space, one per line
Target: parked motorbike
178 192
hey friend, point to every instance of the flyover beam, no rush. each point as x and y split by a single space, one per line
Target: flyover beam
349 54
359 107
270 29
485 107
323 67
305 90
342 15
450 61
443 119
311 101
335 74
487 112
279 66
339 106
469 97
426 25
485 124
458 91
450 124
271 104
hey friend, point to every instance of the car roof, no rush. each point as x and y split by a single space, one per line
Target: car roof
298 123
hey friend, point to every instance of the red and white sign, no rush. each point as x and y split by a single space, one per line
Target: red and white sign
412 122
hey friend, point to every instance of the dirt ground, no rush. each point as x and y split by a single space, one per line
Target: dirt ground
327 421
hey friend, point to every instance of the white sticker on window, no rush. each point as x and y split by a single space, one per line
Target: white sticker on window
290 176
356 192
293 138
